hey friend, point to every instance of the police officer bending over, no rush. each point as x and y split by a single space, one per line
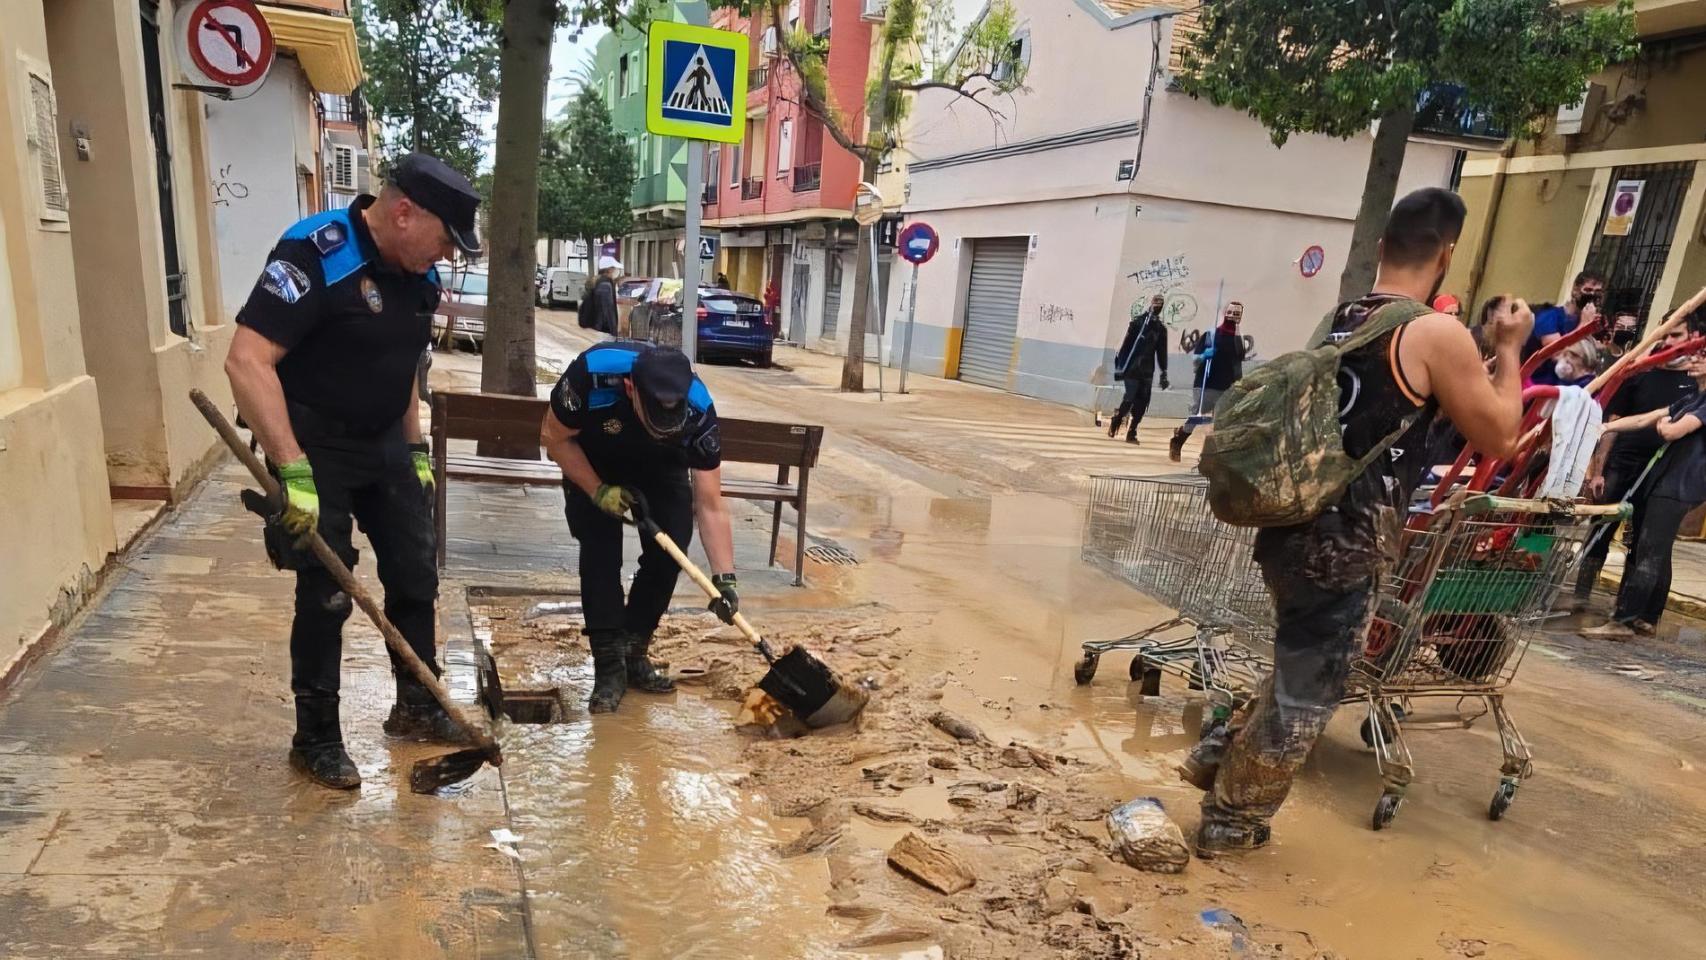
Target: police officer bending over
323 367
628 418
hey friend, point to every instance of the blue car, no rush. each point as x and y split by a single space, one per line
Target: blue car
731 326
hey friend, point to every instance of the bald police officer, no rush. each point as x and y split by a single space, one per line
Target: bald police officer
323 367
628 417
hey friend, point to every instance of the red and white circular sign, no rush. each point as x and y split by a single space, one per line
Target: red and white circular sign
229 41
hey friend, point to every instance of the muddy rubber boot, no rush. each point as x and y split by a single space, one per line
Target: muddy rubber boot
317 749
1131 435
1114 427
1217 839
1176 446
643 674
609 671
418 716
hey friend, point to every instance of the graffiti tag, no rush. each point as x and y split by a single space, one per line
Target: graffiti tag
1164 270
1053 313
226 189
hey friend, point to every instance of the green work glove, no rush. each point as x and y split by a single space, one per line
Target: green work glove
421 454
727 604
301 500
614 500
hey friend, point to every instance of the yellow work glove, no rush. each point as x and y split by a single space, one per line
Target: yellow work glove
421 454
301 500
614 500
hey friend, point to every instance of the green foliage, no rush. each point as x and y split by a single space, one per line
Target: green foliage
1335 68
432 69
586 173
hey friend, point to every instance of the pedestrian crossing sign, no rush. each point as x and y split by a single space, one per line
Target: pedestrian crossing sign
696 82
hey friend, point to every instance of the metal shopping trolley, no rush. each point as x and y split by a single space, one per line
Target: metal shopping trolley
1158 534
1471 588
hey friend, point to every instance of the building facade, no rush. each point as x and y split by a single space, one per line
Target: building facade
781 199
1072 208
112 305
1542 210
653 245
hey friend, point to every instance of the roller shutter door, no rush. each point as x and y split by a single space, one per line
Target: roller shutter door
992 310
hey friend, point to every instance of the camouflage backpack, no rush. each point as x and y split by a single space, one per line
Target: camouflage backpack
1277 454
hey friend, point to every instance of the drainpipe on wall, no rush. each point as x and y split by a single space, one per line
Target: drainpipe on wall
1495 199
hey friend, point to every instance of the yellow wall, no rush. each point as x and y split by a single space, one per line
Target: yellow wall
1675 100
1533 235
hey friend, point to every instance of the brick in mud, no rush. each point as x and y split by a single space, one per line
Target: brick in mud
931 865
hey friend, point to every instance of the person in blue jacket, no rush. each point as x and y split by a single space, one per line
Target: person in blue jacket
1220 364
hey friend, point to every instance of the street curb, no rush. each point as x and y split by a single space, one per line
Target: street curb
1680 602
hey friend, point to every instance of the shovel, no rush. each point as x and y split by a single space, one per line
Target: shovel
797 679
434 772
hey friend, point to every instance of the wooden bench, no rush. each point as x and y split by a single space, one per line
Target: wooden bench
507 419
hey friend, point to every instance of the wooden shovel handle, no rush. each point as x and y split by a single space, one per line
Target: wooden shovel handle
347 581
651 529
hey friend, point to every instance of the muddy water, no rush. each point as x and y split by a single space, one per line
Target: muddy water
638 837
1598 857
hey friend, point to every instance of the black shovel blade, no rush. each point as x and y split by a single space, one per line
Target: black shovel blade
807 686
445 769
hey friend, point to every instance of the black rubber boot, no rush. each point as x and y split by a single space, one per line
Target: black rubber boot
643 674
1215 839
609 671
418 716
1114 427
317 749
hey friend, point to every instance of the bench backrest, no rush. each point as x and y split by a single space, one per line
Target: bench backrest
497 417
506 418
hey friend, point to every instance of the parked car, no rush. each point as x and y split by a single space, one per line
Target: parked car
467 290
563 287
730 325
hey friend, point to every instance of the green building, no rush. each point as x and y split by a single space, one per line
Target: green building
652 246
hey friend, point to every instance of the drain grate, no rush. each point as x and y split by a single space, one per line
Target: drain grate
533 706
832 554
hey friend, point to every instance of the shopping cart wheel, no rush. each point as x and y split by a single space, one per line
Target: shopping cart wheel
1085 670
1148 676
1386 809
1502 798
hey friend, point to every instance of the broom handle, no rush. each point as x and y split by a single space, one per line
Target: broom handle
697 575
346 580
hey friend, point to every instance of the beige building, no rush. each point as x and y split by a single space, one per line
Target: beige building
111 307
1541 210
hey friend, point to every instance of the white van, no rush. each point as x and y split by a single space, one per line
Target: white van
562 287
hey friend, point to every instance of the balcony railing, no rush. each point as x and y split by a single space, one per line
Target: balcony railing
752 188
757 78
808 177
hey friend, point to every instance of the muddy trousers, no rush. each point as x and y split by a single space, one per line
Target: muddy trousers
1646 575
1135 403
670 500
1618 480
371 482
1317 631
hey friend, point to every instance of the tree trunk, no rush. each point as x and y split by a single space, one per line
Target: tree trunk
525 66
853 365
1379 191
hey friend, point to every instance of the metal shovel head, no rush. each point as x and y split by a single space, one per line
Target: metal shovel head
430 774
807 686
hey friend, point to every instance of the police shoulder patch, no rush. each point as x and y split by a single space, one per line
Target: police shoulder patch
285 280
329 237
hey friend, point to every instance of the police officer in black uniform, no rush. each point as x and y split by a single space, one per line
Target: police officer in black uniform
323 367
627 417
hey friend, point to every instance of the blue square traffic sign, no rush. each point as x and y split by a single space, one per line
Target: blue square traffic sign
696 82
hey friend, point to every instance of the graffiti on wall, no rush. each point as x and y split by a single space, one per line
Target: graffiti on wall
226 189
1163 270
1050 313
1166 277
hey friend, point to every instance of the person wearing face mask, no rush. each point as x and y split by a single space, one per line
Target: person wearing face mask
1625 332
1621 455
1675 486
631 420
324 367
1555 322
1220 364
1577 364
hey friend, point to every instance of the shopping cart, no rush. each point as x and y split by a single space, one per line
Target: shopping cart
1158 534
1471 588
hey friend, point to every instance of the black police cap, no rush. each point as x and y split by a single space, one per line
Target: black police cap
662 376
436 187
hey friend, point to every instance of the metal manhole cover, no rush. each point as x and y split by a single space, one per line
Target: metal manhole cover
828 553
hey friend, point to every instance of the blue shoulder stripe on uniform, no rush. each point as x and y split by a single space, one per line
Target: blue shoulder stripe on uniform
698 397
432 274
342 262
303 229
340 253
610 359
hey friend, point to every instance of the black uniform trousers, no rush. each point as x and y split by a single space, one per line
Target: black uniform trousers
1647 569
370 481
1138 386
669 497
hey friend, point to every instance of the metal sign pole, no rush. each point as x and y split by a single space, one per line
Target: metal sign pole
690 251
911 319
876 308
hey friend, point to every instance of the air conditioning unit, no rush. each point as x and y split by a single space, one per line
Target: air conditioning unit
344 168
767 45
874 10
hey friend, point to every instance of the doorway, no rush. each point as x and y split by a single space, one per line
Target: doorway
158 125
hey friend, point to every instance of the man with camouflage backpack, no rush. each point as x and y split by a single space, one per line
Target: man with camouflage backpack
1399 365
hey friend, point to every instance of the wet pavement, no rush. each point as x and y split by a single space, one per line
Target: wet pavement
145 809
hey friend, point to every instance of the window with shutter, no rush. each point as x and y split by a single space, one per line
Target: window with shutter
44 139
